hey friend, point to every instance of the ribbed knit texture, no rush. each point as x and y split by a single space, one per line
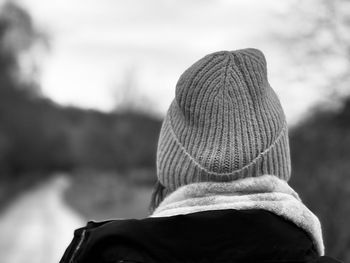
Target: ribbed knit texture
225 123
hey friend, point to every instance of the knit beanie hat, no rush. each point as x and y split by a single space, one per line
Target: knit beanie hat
224 124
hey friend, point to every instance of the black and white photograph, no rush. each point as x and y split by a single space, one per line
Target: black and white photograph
174 131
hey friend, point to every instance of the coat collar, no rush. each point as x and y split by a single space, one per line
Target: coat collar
210 236
266 192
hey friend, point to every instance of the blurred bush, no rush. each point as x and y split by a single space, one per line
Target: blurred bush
320 148
101 195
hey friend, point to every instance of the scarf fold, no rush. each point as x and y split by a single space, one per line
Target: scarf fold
264 192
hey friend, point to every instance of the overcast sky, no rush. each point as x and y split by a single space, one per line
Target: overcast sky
99 46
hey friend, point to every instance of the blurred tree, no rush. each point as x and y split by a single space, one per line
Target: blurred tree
18 37
321 173
137 134
129 97
315 37
30 137
38 136
11 90
126 92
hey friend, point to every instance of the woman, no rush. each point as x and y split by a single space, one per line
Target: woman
223 164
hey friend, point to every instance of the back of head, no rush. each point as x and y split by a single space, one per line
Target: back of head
224 124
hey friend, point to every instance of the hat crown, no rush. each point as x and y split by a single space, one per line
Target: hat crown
222 77
225 123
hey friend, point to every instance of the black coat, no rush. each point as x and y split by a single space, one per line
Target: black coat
220 236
